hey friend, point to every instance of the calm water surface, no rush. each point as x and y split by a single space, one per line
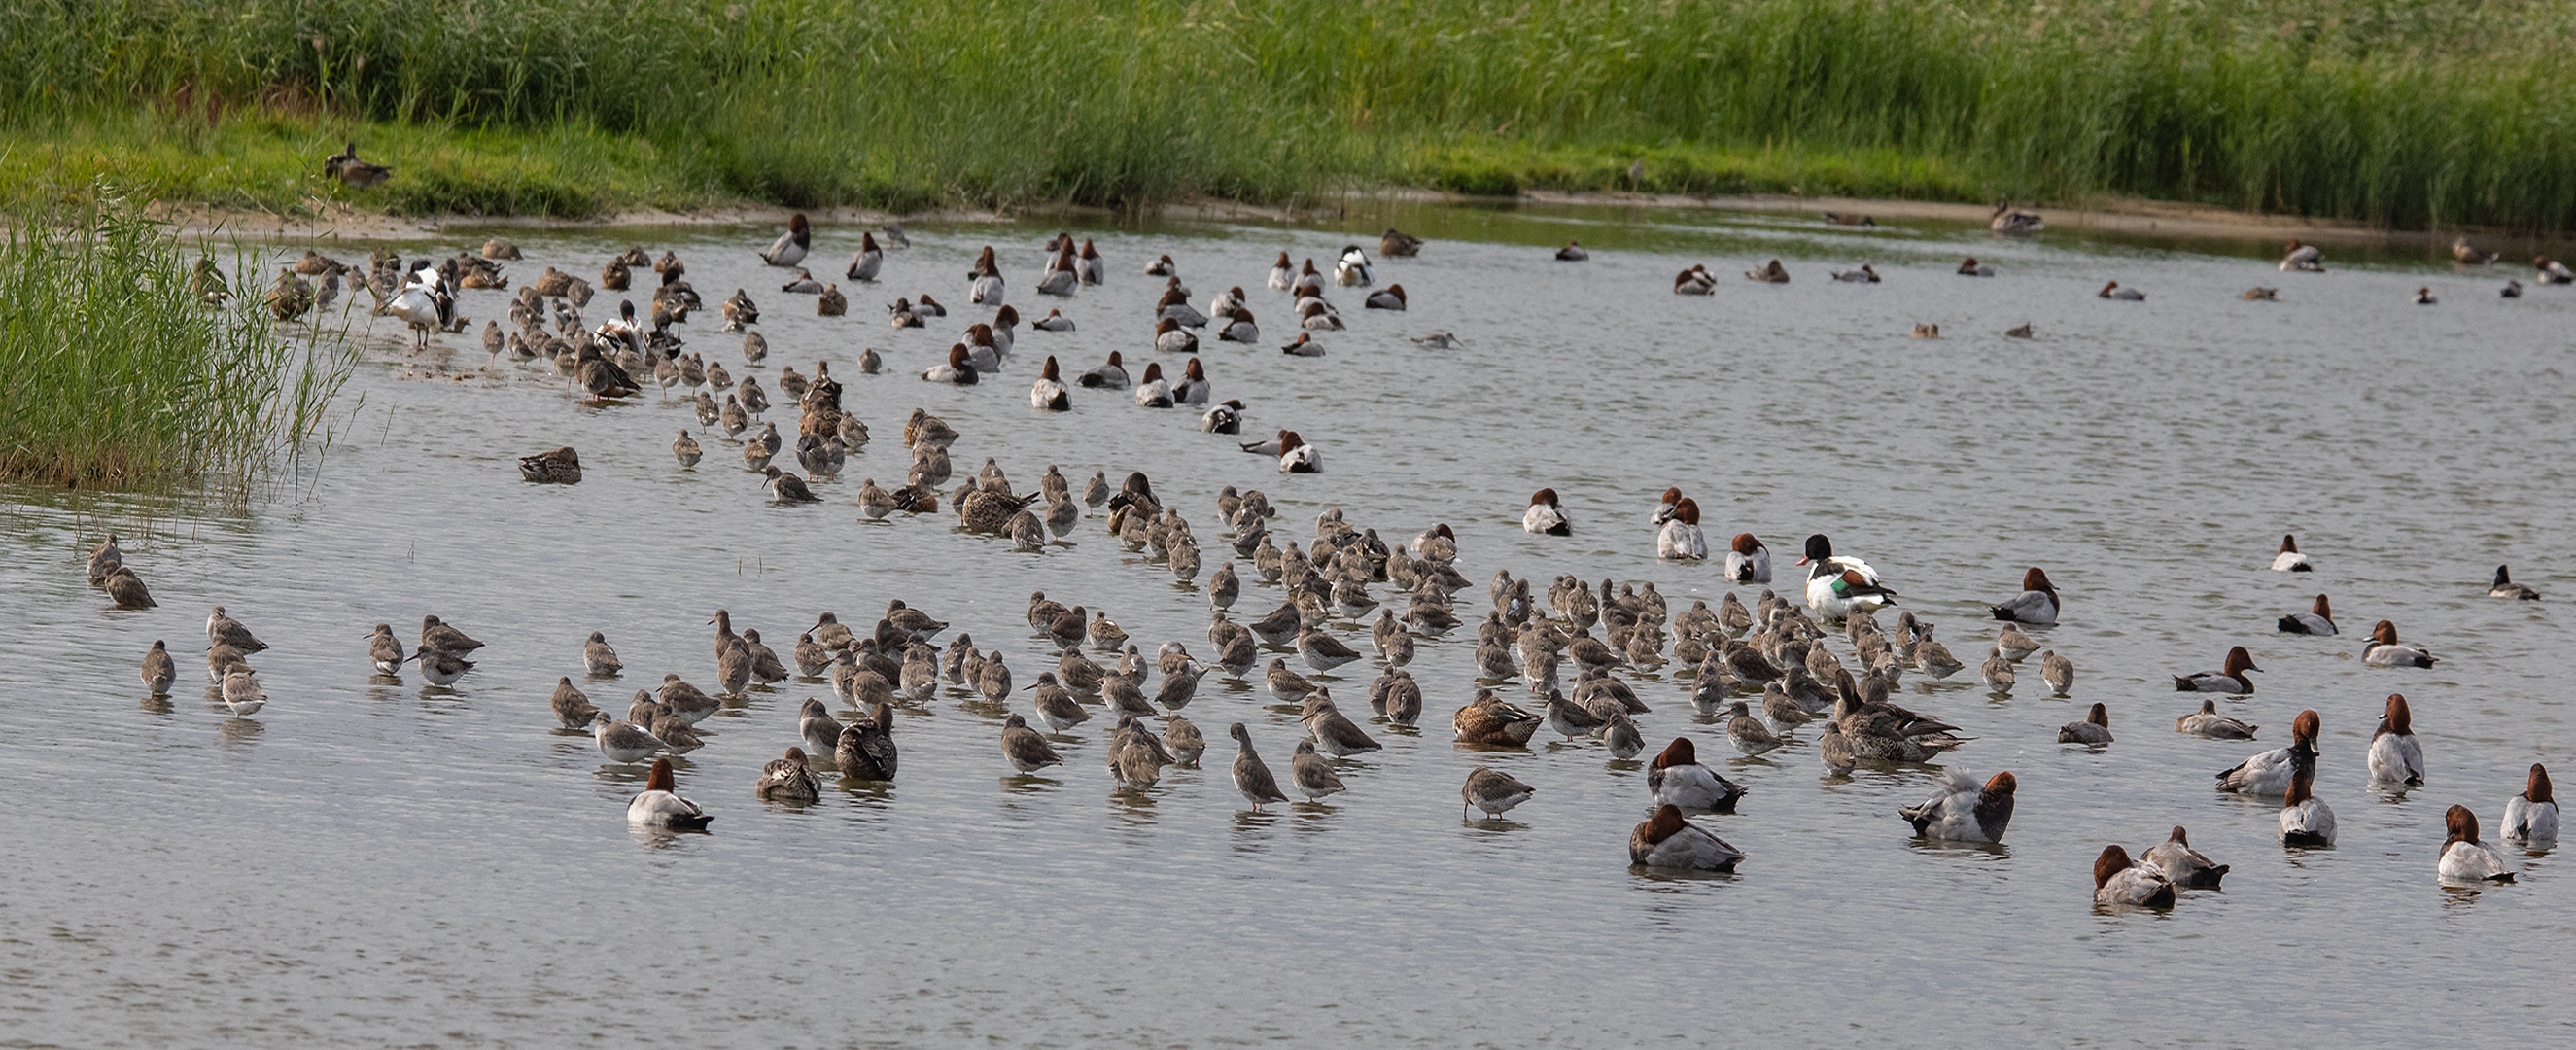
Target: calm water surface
369 862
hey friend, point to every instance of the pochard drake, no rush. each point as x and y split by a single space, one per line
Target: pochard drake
1063 274
2302 257
1681 539
2395 755
1838 587
1664 508
2319 619
2036 604
1677 779
2113 290
2464 858
659 806
2118 880
2504 587
1193 388
1963 810
1171 338
1224 417
1239 328
1747 560
958 369
1545 516
2209 723
791 246
1154 392
870 259
1283 274
1390 297
2289 559
1298 457
2231 680
2532 817
2185 866
1695 281
984 280
2269 774
1048 393
1666 840
2305 822
2384 650
1109 376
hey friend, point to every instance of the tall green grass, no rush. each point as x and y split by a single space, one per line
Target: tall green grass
2408 112
114 373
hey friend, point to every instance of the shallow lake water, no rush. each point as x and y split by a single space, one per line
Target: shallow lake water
370 861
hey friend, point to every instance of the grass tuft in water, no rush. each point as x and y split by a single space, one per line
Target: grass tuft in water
115 374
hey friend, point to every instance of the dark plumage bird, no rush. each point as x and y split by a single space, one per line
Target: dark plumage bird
866 749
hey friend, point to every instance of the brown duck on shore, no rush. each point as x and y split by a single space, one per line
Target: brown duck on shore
346 167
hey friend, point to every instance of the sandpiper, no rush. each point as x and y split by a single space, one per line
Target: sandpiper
440 666
1251 776
1323 652
242 692
686 700
2057 671
1493 791
598 659
829 631
437 635
1747 733
225 629
1334 730
1055 704
1026 750
159 670
105 559
572 708
1182 739
1287 685
1314 777
386 653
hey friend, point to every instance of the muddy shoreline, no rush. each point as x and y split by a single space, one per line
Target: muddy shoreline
2124 216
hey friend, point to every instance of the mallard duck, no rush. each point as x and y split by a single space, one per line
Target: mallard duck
559 467
2006 220
346 167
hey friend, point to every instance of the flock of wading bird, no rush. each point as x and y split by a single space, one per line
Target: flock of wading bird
1768 668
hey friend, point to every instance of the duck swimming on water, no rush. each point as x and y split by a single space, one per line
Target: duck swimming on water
791 246
2319 619
1839 586
1545 516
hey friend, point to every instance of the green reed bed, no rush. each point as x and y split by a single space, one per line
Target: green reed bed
2408 112
115 374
